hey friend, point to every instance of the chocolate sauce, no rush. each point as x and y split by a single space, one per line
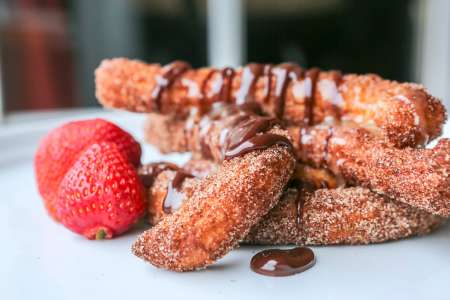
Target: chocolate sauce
249 135
277 262
311 77
149 172
164 80
205 100
246 129
268 73
258 142
250 74
299 204
283 73
223 93
174 196
205 83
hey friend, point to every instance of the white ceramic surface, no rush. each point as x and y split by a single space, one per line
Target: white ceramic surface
40 259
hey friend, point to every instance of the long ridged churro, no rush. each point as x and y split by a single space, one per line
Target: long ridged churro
418 177
404 113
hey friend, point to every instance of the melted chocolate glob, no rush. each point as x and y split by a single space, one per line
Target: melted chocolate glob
277 262
249 135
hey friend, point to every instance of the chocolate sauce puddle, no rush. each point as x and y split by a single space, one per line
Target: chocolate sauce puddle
277 262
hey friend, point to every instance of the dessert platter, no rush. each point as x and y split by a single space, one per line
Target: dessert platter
264 180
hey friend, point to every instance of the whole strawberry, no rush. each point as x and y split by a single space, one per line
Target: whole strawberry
101 195
61 148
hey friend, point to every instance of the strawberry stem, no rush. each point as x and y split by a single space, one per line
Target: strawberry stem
100 235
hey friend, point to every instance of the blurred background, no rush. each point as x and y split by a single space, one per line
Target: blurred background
50 48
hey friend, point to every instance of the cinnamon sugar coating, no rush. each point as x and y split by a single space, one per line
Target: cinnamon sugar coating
353 215
416 176
404 113
219 212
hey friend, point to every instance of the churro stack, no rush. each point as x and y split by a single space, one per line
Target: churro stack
281 155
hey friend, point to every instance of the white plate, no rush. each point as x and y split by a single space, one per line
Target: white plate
40 259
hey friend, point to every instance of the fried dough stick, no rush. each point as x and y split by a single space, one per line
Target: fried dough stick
220 211
404 113
416 176
351 215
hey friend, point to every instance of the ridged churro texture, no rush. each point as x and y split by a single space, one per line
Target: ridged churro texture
404 113
352 215
219 212
416 176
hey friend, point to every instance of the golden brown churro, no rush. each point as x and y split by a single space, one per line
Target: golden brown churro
323 217
404 113
416 176
222 207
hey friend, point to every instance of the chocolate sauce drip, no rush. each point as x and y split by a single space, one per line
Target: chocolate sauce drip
268 73
299 204
337 78
277 262
312 75
205 83
250 74
246 137
283 73
149 172
224 90
174 196
302 188
164 80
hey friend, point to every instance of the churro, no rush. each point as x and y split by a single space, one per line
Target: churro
403 113
222 207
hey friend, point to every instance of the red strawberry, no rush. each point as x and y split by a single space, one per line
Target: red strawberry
101 196
61 147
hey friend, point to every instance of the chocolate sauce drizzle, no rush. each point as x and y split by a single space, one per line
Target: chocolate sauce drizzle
174 196
222 87
311 78
250 74
277 262
169 73
149 172
224 91
249 135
